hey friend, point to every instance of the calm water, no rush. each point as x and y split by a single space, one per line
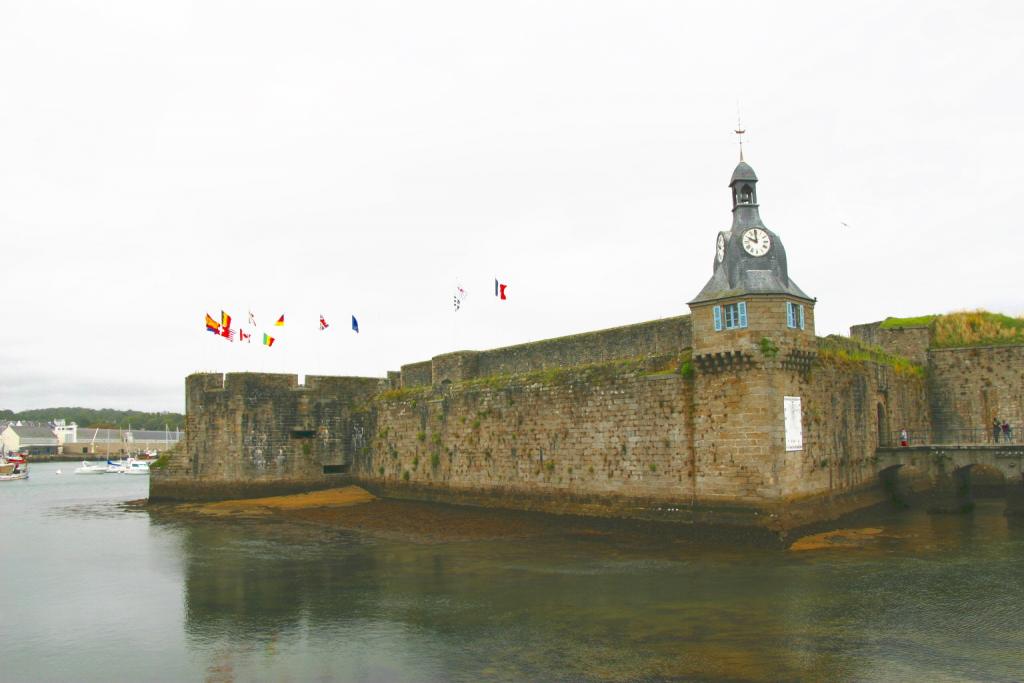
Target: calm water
97 592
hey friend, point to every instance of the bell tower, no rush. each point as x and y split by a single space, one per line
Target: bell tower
750 296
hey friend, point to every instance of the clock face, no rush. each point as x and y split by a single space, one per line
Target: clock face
756 242
720 248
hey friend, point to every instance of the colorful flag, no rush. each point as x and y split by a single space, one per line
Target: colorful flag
267 340
499 290
280 321
225 320
460 295
228 334
252 319
243 337
323 323
355 324
212 325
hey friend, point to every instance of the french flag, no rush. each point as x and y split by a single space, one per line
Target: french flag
499 290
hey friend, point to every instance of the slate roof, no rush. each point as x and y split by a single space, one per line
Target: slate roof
743 172
34 436
91 434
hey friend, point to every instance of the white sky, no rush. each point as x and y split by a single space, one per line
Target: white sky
161 160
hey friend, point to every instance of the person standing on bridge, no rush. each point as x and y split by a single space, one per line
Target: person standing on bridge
1006 431
904 437
996 428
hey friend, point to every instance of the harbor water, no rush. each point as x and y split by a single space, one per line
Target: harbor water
99 590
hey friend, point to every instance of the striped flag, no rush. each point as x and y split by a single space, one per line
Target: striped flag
323 323
267 340
499 290
280 321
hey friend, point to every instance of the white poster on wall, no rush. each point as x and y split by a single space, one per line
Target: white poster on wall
794 423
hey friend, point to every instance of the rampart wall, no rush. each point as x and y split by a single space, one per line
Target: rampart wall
653 338
652 437
970 387
910 342
261 434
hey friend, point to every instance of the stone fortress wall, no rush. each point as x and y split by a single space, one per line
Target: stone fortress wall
620 424
967 387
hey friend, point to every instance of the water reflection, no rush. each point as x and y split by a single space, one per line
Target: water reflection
937 597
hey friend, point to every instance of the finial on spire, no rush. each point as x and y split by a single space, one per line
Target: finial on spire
739 130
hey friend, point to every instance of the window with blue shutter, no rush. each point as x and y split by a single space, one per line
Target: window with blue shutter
735 316
742 306
790 315
801 316
717 312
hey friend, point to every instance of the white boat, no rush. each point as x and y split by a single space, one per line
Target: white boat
90 468
135 467
13 467
116 466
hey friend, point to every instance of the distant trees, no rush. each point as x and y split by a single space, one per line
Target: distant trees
105 417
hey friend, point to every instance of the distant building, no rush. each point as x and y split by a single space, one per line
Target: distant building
31 439
65 432
92 440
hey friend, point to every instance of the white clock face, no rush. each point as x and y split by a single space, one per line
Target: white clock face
756 242
720 248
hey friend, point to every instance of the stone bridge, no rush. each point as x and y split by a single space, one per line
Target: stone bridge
947 478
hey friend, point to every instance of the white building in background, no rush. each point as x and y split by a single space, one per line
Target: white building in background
66 433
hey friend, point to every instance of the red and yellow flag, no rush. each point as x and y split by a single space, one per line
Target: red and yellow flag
211 325
280 321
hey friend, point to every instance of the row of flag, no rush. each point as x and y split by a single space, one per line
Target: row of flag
461 294
224 329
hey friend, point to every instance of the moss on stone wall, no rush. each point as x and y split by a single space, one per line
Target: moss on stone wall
843 350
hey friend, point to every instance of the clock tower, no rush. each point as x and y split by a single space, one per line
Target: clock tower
750 304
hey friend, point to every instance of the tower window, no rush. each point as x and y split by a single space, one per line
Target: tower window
730 316
795 315
746 195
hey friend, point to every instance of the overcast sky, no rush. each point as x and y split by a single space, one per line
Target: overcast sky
162 160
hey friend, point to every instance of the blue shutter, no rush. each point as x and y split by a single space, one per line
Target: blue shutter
801 316
742 306
717 311
790 320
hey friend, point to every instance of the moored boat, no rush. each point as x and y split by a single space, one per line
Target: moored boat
13 467
90 468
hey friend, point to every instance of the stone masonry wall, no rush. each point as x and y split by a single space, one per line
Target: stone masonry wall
618 439
653 338
971 386
909 342
260 434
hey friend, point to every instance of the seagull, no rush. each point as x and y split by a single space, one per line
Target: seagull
843 224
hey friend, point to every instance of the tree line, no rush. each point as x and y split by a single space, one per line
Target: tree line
106 418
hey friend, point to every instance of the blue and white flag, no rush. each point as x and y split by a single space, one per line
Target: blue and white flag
355 324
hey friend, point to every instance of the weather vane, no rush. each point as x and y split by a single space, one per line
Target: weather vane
739 130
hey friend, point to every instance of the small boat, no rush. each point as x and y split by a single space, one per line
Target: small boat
89 468
135 467
13 467
116 466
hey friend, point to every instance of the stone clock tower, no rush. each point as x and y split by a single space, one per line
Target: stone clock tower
753 345
750 304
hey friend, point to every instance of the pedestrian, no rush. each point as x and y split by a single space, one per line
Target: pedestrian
904 438
1006 431
996 428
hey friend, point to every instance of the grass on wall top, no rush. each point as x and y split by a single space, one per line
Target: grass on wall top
842 350
965 328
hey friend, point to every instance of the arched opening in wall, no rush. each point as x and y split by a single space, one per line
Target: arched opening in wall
746 195
985 481
884 437
896 486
